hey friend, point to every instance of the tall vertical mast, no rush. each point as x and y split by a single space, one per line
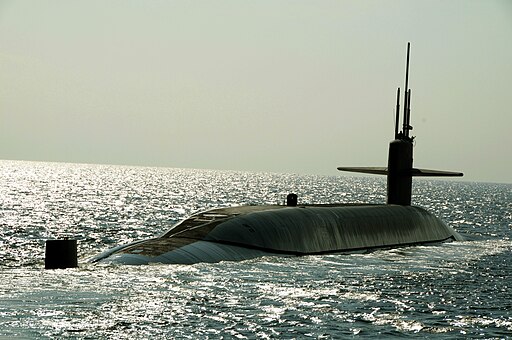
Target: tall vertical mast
397 116
405 128
408 117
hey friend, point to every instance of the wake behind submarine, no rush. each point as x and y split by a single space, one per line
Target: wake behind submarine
246 232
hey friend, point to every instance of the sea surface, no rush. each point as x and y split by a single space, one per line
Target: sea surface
452 290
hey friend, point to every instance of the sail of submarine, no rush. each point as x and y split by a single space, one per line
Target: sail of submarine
246 232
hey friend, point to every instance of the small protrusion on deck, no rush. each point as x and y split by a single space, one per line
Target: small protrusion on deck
291 200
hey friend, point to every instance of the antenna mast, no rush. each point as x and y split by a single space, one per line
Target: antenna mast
397 118
407 97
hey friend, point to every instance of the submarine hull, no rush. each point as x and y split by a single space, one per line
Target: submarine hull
246 232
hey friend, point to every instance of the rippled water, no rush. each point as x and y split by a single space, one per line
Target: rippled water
453 290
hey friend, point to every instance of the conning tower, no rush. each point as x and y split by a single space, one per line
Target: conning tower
400 169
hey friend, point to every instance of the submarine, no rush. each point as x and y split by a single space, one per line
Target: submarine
246 232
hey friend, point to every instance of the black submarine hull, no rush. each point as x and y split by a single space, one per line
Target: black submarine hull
246 232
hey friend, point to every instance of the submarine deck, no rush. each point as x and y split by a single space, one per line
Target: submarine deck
301 229
198 226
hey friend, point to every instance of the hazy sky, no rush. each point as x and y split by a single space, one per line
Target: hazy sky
282 86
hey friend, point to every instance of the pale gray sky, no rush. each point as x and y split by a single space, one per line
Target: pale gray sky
284 86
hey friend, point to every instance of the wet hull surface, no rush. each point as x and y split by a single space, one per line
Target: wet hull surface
246 232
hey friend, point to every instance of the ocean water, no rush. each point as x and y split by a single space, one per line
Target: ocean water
453 290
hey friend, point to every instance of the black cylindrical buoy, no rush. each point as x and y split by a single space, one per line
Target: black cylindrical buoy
60 254
291 200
